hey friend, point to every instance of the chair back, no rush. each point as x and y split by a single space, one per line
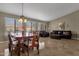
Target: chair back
9 36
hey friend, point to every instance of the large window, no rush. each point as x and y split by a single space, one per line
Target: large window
30 25
9 24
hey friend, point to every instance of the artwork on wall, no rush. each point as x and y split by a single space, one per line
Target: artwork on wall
61 26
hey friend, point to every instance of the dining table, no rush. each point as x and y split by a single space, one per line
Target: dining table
26 37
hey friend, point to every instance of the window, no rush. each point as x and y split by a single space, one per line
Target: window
30 25
9 24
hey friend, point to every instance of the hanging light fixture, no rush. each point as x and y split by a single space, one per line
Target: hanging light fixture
22 18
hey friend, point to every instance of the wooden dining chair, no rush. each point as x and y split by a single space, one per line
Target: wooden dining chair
34 43
12 45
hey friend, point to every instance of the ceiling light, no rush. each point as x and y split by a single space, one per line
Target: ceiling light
22 18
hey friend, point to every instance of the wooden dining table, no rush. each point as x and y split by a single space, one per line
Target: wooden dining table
21 38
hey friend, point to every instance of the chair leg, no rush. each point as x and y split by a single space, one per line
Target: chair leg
10 50
28 51
38 49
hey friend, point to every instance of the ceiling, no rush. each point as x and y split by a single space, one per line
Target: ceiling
40 11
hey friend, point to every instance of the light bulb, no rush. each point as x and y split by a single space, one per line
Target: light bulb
20 20
25 20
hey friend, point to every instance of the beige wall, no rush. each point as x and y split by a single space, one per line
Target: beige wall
71 23
2 29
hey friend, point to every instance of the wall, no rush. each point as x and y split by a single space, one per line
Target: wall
2 28
71 23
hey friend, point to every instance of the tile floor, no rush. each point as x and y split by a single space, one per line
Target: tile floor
53 47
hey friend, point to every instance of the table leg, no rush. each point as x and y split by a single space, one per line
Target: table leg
38 49
38 45
18 48
28 48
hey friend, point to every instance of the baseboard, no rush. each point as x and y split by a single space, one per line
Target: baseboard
4 42
75 38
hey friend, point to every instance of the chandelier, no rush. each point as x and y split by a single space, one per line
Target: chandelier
22 19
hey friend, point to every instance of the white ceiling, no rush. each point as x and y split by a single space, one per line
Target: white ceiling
40 11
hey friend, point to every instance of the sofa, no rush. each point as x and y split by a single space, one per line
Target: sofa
43 34
60 34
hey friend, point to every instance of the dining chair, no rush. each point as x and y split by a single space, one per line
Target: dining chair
32 42
12 45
